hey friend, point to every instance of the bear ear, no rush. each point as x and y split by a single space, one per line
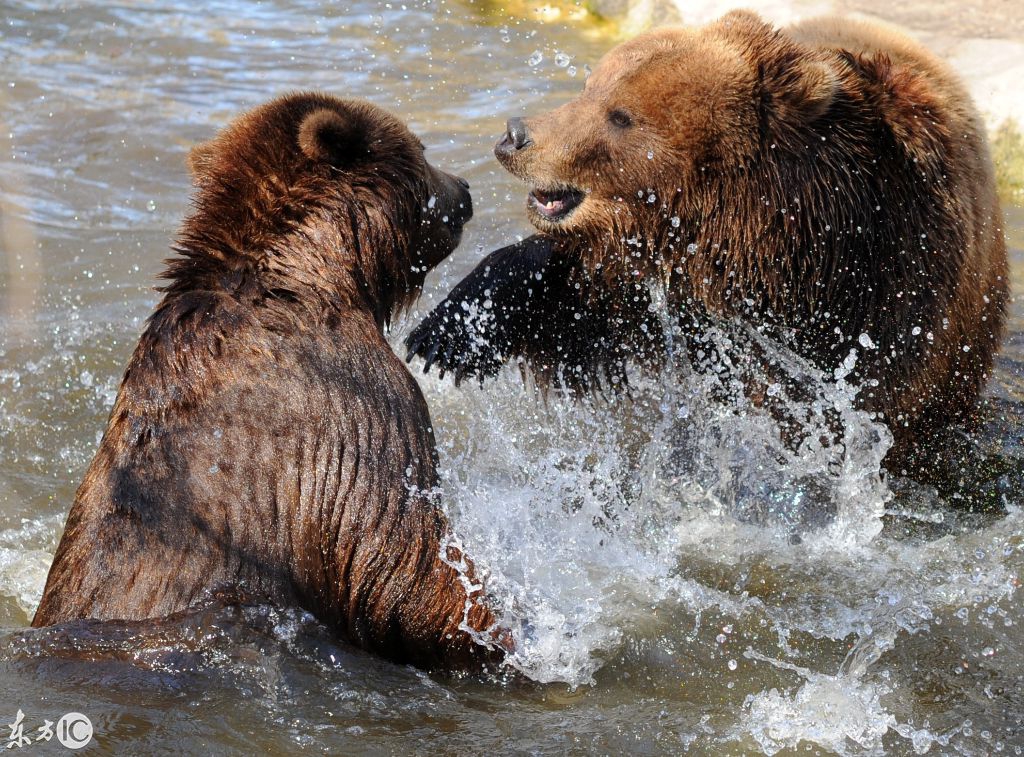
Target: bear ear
911 107
199 159
328 136
809 88
747 30
744 21
801 84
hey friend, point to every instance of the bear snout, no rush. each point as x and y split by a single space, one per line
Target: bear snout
516 138
462 205
452 203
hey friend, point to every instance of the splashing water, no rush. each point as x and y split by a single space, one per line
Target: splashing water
831 711
577 513
594 523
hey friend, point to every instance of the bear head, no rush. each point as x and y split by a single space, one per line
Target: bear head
328 194
629 157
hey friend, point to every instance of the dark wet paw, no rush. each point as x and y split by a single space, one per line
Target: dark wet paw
457 338
488 317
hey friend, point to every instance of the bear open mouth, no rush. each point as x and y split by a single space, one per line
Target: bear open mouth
555 204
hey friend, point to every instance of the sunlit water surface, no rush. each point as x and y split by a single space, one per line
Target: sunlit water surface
654 555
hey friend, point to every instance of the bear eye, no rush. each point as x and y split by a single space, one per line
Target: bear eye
620 118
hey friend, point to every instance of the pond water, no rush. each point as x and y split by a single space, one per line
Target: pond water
661 609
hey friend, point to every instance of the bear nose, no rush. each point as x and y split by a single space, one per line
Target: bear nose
516 135
463 182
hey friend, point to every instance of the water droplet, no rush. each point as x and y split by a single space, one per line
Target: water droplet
535 59
675 222
650 154
732 664
151 206
562 60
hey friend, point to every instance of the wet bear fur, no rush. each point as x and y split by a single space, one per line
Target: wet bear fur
816 183
265 438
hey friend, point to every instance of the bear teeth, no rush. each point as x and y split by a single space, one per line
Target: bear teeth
556 203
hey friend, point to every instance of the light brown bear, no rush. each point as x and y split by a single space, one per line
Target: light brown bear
265 439
828 183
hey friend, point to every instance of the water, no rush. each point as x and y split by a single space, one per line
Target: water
664 561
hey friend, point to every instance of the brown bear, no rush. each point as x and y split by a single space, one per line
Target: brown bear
828 184
265 438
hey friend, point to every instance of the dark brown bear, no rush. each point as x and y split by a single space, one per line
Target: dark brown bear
829 183
265 438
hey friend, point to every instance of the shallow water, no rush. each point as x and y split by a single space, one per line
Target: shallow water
668 594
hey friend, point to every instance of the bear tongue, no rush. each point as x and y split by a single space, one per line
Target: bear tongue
550 203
